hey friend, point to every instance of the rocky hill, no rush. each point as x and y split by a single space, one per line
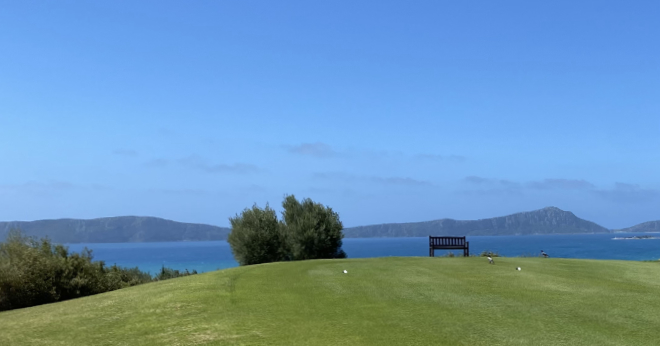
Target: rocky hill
548 220
122 229
650 226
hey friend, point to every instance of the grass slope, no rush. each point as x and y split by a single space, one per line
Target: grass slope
385 301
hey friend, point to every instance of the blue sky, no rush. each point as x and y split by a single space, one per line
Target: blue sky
387 111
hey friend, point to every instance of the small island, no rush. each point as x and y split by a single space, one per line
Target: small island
637 237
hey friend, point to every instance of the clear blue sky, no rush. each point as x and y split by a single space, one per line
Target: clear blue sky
387 111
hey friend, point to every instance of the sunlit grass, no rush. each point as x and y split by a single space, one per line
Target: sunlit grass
386 301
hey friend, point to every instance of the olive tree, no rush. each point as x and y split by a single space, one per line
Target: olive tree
311 230
308 230
255 236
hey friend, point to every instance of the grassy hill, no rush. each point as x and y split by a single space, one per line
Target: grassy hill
385 301
550 220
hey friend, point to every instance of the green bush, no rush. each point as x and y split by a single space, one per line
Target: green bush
308 230
34 272
489 253
256 236
311 230
169 273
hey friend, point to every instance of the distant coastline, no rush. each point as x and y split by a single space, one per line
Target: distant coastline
145 229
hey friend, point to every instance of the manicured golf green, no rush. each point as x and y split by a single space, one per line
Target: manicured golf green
384 301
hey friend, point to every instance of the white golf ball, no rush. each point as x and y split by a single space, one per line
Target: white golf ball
345 271
518 268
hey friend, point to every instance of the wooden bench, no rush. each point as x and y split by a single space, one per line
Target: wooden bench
448 243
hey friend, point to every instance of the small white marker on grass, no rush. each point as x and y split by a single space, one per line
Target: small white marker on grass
518 268
345 271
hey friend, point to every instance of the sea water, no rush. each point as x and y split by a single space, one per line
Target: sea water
213 255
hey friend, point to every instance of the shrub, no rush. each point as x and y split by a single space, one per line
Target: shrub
308 230
311 230
168 273
256 236
34 272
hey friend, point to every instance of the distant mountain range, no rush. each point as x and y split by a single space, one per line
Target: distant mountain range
548 220
133 229
121 229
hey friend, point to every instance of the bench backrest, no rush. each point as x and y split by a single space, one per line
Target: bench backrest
446 241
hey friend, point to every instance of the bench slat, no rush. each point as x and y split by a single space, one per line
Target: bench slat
448 243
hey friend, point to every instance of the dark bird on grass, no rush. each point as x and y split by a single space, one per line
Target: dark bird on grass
544 254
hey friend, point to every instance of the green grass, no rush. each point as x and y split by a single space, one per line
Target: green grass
386 301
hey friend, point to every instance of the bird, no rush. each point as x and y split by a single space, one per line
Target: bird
544 254
490 260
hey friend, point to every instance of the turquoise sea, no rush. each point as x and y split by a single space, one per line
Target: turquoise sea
212 255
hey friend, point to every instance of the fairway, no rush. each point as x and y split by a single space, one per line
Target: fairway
383 301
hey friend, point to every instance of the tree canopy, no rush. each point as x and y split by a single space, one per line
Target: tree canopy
256 236
308 230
